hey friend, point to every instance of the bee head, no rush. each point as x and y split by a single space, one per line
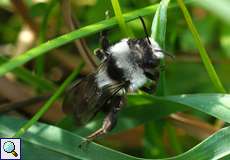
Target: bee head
151 51
151 54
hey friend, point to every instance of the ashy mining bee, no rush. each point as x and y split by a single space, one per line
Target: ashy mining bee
125 67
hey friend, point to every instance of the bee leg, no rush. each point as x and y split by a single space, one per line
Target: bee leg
101 54
83 144
154 76
109 121
108 124
146 89
104 40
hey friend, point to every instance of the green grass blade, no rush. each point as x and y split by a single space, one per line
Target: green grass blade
153 139
121 22
82 32
158 34
34 80
159 23
49 103
204 56
40 65
65 143
158 31
173 139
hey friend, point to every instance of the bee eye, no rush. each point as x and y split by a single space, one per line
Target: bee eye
151 63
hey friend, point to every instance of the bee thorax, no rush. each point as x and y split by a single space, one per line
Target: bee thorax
103 79
137 81
126 61
135 76
121 66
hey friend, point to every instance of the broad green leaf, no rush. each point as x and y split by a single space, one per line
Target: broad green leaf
144 108
56 142
217 105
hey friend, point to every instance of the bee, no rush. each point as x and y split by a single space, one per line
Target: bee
125 67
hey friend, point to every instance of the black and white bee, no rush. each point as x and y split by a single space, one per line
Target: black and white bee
125 67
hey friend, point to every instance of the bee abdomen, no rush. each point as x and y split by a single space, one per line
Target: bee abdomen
114 72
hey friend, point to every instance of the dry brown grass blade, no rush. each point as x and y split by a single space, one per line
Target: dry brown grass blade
27 35
16 92
68 60
80 44
192 125
22 9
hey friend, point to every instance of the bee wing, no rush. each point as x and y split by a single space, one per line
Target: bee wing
81 100
85 99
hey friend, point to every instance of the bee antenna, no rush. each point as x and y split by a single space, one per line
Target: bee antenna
165 52
145 29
